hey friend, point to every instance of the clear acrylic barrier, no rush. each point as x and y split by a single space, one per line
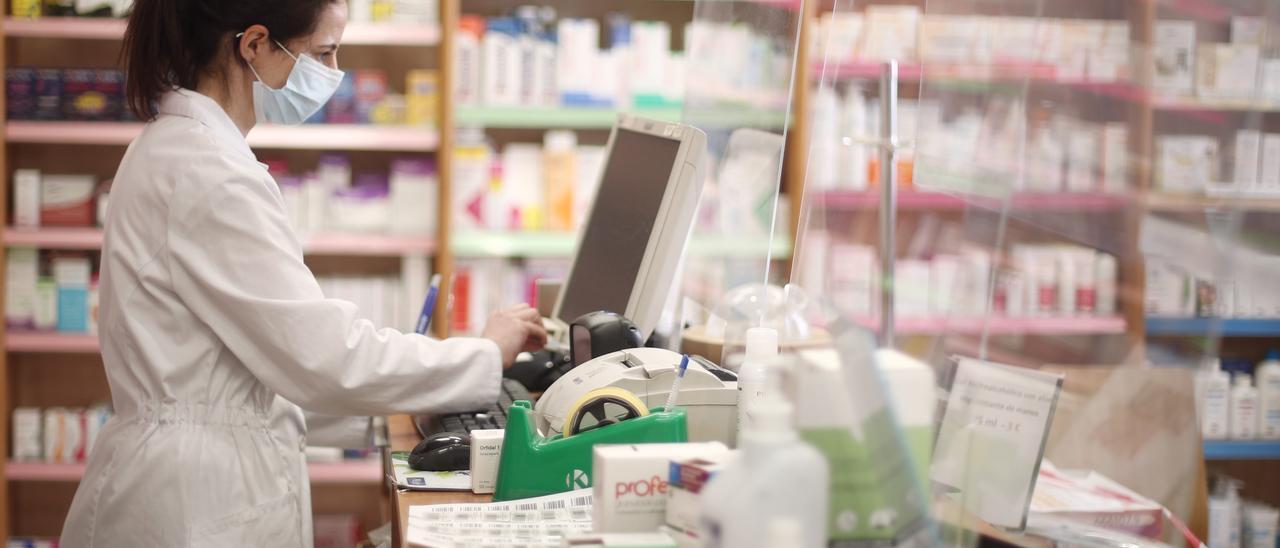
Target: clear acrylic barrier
1083 217
740 62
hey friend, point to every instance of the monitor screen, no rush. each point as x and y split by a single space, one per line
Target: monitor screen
617 231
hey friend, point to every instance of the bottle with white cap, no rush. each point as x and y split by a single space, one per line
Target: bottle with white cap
762 348
1213 400
776 489
1244 408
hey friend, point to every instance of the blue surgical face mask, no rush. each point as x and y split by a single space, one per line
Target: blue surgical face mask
309 87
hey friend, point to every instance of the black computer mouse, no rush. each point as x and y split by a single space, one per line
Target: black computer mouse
443 451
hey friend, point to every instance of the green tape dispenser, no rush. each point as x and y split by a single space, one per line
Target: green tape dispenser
532 465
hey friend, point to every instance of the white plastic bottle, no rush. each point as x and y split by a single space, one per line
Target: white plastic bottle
1244 408
762 348
1268 381
776 488
1105 285
1213 395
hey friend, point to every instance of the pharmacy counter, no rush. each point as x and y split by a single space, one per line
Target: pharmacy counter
403 436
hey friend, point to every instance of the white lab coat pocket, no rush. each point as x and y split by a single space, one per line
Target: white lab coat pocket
272 523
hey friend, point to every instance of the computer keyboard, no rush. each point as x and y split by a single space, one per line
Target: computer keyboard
493 418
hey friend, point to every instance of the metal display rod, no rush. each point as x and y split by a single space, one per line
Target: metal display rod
888 197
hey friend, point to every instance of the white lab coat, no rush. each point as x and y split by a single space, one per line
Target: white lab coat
211 325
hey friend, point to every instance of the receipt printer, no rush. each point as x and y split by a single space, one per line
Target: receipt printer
708 393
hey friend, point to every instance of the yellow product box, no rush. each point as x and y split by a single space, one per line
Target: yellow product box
422 95
27 8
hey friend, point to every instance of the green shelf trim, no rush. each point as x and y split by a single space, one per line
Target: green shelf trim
603 118
561 245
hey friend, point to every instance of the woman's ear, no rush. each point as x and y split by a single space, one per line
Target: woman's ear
253 42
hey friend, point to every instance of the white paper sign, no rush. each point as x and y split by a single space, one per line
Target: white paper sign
992 438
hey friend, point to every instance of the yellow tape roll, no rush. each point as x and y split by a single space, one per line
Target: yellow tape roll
596 404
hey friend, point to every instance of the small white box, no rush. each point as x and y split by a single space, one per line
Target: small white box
1269 177
1083 147
687 479
486 449
911 288
891 32
840 37
1269 81
26 198
22 272
1174 56
853 285
1188 163
629 483
1248 152
1168 290
1115 157
27 438
1109 58
1226 71
1249 31
943 284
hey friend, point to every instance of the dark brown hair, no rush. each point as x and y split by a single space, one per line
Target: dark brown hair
172 43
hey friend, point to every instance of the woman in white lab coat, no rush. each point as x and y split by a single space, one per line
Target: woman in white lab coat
215 335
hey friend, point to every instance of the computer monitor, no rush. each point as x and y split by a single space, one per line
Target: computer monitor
630 247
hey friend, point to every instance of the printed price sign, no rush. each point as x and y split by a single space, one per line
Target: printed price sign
993 436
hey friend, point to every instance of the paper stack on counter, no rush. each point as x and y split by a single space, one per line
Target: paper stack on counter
1089 498
541 521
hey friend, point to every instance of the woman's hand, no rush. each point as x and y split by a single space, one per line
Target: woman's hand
516 329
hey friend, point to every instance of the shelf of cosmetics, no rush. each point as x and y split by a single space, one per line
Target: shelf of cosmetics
58 292
330 199
358 11
1040 280
65 435
1229 405
1186 72
549 187
966 146
533 58
1185 277
97 95
1238 523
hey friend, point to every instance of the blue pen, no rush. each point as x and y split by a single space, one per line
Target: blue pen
675 385
428 306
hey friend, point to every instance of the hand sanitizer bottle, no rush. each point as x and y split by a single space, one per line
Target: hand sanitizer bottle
762 348
776 488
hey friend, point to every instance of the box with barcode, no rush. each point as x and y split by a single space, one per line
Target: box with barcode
629 483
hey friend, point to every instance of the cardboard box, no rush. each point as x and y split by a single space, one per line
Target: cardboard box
1248 151
1115 157
486 449
891 32
88 95
1250 31
1269 176
26 198
1174 56
685 483
630 483
1187 163
67 200
1227 71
